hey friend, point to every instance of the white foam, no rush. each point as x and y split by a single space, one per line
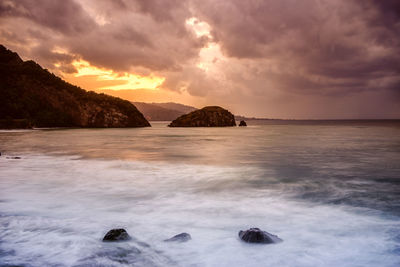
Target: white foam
55 210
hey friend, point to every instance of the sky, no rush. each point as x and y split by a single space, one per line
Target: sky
292 59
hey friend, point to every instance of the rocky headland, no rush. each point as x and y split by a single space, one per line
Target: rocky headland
33 97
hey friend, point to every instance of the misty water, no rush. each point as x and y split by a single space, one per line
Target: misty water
331 191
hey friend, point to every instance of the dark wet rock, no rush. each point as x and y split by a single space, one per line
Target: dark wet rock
116 235
242 123
10 123
182 237
255 235
206 117
13 157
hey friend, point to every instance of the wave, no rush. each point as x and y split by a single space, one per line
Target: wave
56 209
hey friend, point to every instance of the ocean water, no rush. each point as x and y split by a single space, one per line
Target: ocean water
330 190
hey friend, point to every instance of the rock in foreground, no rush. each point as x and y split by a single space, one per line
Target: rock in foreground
212 116
255 235
116 235
182 237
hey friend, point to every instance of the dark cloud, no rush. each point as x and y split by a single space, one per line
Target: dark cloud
324 45
131 35
160 10
388 12
120 35
285 57
65 16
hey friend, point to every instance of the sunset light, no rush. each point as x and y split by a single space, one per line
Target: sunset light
203 133
124 80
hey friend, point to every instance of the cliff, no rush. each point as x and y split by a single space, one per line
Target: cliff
33 97
206 117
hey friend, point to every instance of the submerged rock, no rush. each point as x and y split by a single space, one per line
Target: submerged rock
182 237
206 117
119 254
13 157
255 235
116 235
242 123
132 253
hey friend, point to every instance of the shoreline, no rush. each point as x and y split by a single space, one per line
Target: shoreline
250 120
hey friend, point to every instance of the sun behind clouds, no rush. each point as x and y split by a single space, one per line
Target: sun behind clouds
95 78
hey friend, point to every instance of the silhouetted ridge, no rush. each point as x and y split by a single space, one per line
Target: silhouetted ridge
162 111
9 57
32 96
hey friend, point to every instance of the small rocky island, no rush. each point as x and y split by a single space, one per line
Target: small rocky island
212 116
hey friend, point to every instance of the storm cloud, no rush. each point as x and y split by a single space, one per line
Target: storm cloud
287 58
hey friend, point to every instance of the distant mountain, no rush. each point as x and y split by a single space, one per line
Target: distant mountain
176 106
163 111
239 118
32 96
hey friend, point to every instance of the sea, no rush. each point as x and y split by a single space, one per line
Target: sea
329 189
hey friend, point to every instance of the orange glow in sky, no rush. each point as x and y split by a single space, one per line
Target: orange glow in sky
129 86
94 78
146 88
135 87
